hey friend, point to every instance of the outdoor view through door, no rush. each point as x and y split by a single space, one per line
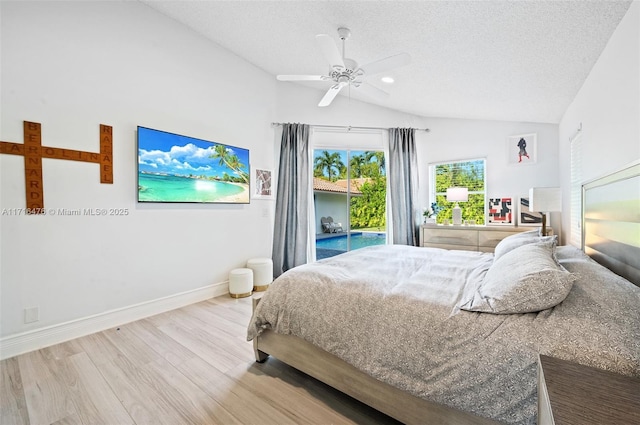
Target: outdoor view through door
349 193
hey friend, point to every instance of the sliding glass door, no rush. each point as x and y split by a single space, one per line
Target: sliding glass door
349 188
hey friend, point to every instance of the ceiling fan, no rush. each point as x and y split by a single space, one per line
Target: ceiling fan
346 72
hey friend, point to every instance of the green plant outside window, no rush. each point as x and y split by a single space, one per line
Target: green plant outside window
469 174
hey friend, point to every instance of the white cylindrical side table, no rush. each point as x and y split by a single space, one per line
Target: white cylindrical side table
240 282
262 273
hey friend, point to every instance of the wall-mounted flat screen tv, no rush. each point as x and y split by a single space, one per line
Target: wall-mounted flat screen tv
175 168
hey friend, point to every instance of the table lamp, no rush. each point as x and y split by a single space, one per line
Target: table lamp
544 200
457 194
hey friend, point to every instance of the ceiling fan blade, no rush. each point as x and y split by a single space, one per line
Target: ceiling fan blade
331 94
302 78
386 64
372 91
330 50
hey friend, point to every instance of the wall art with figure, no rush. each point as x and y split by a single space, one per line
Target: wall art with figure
522 149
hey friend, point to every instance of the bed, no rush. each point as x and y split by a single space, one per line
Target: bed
427 335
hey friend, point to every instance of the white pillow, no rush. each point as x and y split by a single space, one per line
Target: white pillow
523 280
514 241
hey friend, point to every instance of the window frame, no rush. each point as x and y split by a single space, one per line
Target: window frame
432 182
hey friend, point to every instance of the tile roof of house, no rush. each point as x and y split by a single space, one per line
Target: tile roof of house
356 184
339 186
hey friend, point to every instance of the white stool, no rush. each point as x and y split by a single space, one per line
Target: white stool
262 273
240 282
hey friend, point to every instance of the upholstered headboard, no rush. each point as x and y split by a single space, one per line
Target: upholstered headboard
611 221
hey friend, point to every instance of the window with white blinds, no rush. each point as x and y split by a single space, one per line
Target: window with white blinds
575 237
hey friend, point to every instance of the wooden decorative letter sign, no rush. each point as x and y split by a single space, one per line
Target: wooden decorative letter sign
33 152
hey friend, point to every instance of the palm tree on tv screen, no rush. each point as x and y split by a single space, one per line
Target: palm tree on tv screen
230 160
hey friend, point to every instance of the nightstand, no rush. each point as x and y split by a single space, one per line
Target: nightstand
573 394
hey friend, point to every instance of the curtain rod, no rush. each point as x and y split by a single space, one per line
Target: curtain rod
349 127
576 134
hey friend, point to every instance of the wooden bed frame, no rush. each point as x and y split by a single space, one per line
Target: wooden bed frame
620 255
337 373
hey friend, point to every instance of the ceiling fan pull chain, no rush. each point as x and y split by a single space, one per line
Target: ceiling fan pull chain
344 53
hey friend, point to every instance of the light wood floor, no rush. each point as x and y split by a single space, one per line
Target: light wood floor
188 366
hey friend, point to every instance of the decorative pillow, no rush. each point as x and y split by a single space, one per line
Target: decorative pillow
524 280
512 242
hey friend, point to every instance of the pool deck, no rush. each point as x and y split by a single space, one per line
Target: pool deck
320 236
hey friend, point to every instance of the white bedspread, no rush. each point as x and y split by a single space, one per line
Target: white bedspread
392 312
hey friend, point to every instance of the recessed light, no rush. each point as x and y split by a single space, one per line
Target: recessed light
387 80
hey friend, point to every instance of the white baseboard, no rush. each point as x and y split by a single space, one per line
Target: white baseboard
36 339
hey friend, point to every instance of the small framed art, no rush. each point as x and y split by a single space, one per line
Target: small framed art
526 217
522 149
501 212
262 184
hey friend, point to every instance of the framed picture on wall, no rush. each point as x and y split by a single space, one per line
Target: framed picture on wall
526 217
263 184
522 149
501 212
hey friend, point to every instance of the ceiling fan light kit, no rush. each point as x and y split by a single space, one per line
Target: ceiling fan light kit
345 71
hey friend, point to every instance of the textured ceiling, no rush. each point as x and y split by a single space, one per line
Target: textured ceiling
496 60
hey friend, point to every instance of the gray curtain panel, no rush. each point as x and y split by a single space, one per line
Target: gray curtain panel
403 182
291 227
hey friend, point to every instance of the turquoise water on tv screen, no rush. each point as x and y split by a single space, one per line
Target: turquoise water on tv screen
163 188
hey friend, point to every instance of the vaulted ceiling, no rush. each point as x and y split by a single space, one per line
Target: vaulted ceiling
495 60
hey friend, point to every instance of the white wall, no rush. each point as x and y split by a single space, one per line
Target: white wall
454 139
74 65
608 108
332 205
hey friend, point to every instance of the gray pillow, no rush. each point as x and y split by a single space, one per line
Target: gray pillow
514 241
524 280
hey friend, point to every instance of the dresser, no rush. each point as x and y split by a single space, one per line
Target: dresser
573 394
468 238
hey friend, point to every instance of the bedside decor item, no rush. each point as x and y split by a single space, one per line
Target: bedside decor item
430 214
501 211
522 149
457 194
544 200
526 216
176 168
33 152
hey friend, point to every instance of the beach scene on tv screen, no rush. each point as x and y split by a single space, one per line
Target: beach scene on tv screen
175 168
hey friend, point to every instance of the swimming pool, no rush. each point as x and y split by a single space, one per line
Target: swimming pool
358 240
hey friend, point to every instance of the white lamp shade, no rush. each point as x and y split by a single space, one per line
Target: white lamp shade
457 194
545 199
